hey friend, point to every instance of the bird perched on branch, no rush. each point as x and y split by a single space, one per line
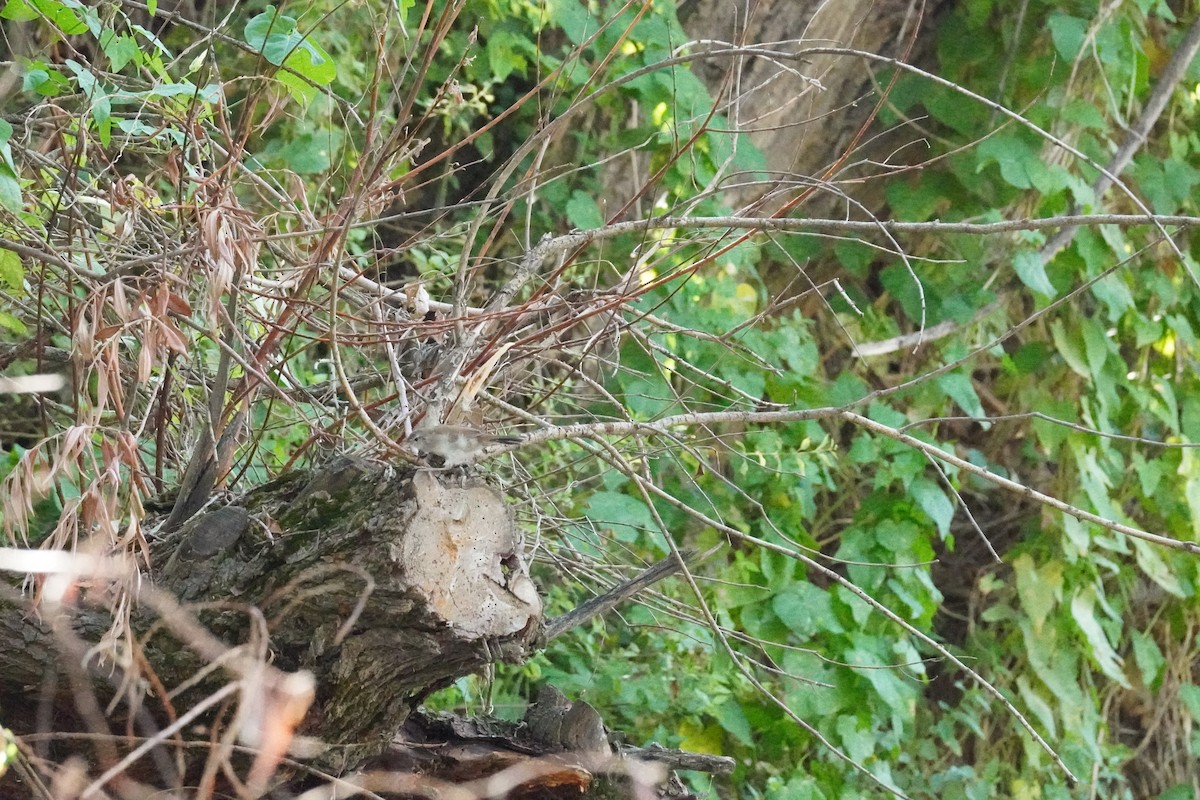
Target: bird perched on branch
456 445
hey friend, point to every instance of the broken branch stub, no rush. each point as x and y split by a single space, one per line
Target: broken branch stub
463 551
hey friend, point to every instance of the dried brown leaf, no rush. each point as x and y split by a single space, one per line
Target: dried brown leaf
107 332
178 305
120 301
173 338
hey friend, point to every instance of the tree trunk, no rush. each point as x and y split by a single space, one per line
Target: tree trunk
384 583
806 115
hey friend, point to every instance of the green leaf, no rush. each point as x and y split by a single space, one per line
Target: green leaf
1038 589
10 189
1038 705
209 94
1190 695
583 212
854 255
12 274
805 610
627 517
1031 357
402 9
1055 665
506 51
1068 34
573 17
11 323
960 389
858 740
799 787
301 91
1083 609
1149 658
1095 345
272 34
934 502
1068 347
19 11
102 115
896 693
63 16
733 719
33 80
647 397
307 154
275 36
1015 156
1031 269
312 62
1155 568
1150 473
119 49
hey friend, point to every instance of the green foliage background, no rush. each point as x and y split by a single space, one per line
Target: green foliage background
1094 399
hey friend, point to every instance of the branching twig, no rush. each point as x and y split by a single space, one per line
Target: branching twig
664 425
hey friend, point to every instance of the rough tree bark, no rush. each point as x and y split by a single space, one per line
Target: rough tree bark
385 584
375 586
804 116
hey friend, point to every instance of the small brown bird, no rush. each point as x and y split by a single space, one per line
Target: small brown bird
456 445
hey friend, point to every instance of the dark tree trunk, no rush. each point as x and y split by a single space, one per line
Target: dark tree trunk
385 584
